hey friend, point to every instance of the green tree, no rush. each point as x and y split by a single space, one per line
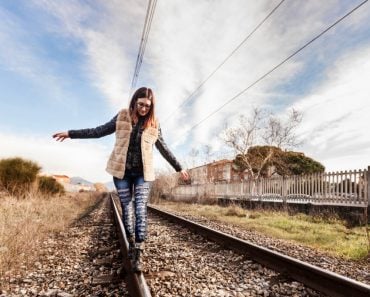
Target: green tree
17 175
297 164
268 160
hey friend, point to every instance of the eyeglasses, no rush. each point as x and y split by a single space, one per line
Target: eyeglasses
143 105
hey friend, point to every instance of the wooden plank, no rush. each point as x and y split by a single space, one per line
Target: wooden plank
345 192
361 188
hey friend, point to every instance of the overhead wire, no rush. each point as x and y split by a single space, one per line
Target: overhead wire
275 67
226 59
144 39
141 47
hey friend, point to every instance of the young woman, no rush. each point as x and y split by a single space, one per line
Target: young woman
131 162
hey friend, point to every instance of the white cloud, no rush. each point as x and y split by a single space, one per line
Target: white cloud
20 53
71 157
182 56
110 33
335 123
185 47
187 40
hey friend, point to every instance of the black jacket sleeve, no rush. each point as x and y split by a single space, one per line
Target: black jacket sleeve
100 131
166 153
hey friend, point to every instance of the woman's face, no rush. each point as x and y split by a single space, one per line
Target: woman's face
143 106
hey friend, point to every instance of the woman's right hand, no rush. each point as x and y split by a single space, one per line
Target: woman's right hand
184 175
60 136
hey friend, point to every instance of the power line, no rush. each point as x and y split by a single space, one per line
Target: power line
276 66
144 38
142 46
225 60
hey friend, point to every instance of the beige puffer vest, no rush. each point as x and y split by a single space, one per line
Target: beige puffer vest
117 160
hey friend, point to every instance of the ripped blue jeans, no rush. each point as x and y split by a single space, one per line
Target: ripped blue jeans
133 186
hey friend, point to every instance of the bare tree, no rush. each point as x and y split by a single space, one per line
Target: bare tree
194 154
207 153
165 181
261 129
281 134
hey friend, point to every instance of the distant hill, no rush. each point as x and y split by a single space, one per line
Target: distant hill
76 180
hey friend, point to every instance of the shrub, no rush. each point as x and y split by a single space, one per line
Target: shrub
17 175
162 186
49 186
100 187
236 211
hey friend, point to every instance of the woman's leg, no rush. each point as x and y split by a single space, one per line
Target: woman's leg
142 189
124 190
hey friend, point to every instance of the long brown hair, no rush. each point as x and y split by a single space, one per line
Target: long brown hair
150 120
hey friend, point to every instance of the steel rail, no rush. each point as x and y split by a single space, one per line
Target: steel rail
136 283
312 276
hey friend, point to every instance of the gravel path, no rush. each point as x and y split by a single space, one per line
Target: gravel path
67 264
358 270
180 263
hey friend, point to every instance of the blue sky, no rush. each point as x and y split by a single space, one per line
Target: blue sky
69 65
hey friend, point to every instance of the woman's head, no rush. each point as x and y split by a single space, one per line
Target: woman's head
142 105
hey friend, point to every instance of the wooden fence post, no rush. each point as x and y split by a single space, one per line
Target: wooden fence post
368 185
284 192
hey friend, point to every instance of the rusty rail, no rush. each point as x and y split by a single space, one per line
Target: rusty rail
135 282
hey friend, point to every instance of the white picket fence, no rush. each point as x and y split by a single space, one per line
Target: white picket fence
334 188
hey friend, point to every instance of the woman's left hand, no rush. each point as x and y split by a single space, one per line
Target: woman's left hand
184 175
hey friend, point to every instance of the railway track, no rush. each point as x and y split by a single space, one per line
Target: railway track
168 275
181 258
311 276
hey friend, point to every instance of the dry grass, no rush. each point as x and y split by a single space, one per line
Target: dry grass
24 223
329 235
236 211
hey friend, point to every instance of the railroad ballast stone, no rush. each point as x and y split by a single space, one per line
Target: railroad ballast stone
357 270
66 267
178 262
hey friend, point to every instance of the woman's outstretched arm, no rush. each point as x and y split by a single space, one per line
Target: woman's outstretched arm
170 158
100 131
